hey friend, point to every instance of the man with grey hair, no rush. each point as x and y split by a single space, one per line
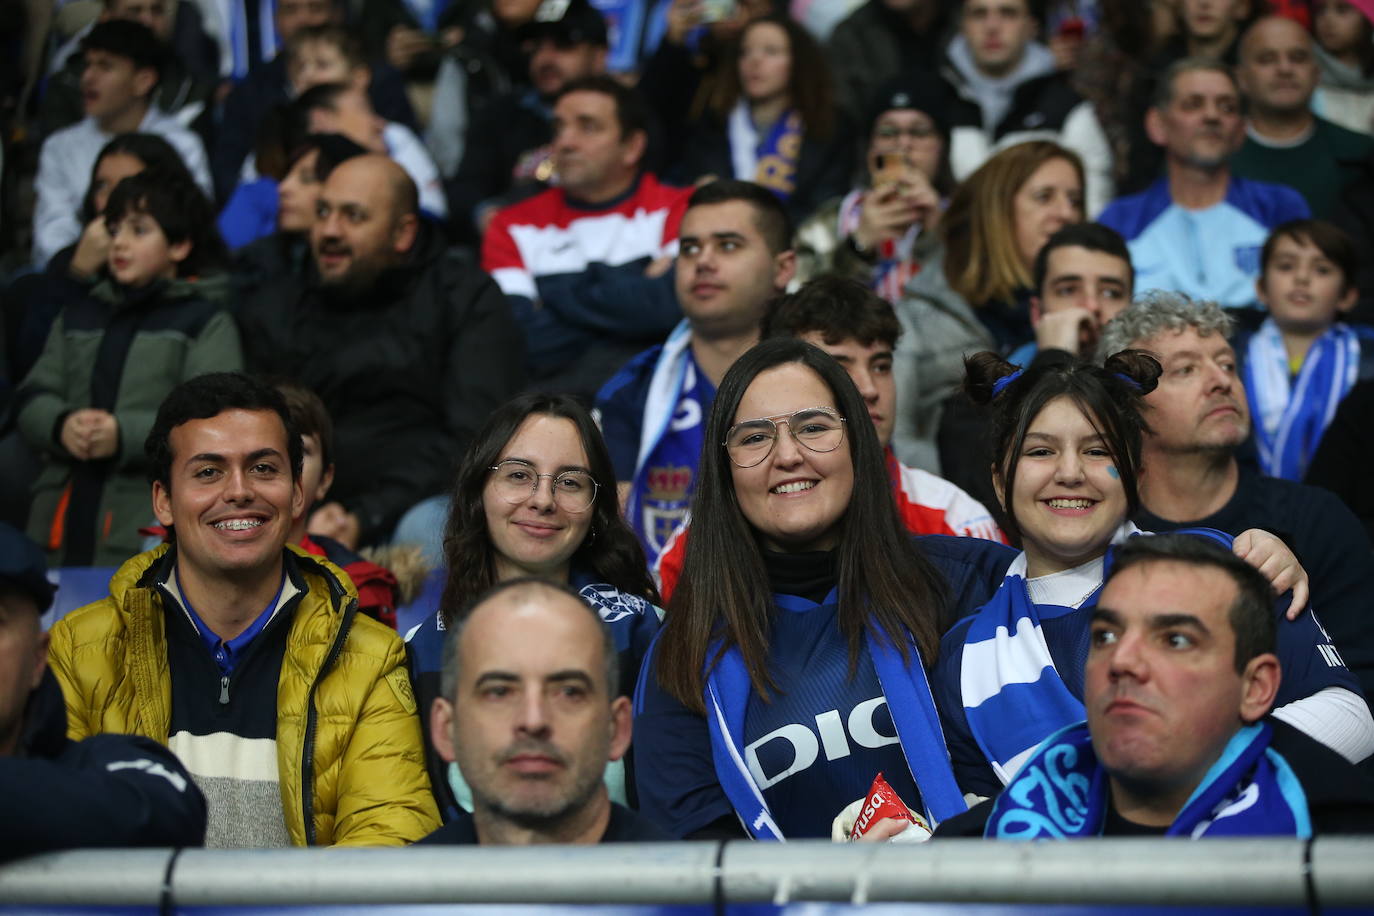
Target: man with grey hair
1198 419
1199 229
527 710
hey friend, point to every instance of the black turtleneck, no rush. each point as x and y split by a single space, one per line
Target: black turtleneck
808 574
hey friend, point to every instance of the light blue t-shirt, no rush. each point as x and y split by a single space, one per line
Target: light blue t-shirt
1208 254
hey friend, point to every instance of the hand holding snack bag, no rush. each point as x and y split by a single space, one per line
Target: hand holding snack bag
864 816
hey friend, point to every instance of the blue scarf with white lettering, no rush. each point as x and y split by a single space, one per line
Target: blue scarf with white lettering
908 700
1062 793
1291 413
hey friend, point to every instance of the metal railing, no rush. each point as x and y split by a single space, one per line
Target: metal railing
1326 872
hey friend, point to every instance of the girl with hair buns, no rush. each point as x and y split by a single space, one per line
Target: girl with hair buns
1066 438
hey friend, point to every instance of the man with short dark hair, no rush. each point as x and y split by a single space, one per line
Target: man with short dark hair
123 62
1083 278
190 71
1199 229
508 152
1180 676
246 657
734 255
1197 420
585 265
408 344
1008 90
528 710
1284 141
108 790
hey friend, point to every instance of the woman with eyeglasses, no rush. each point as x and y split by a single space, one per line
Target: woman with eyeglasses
535 496
790 668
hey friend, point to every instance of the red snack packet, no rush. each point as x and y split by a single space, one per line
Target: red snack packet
881 802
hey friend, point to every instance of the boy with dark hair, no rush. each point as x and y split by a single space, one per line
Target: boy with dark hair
1301 360
112 357
376 585
190 70
123 64
1083 276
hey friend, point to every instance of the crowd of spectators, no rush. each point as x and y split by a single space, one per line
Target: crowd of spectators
840 356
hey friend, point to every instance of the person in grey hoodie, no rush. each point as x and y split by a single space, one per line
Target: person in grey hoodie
1007 91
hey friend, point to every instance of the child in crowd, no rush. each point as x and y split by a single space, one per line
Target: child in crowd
377 586
332 55
1301 361
110 359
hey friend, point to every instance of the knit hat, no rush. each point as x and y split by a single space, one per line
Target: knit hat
921 91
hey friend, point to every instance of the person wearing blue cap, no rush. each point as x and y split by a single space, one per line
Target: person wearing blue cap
106 791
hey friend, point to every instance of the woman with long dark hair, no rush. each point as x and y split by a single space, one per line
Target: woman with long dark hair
802 619
535 496
770 117
1066 438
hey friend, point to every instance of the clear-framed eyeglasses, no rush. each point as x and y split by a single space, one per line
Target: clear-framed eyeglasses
516 481
819 429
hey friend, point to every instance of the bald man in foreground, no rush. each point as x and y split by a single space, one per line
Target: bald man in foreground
407 342
528 711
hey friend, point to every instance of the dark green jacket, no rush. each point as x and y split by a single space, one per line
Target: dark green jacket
123 351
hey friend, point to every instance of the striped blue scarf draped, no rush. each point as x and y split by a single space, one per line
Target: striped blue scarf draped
1290 414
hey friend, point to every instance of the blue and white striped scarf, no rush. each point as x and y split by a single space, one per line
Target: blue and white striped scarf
1062 793
1013 695
1290 414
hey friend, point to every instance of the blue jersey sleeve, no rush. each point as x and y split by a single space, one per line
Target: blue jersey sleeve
674 773
1310 661
972 568
971 768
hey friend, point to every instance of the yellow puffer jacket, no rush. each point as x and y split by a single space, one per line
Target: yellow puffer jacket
345 711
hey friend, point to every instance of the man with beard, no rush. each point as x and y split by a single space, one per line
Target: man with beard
1199 229
527 710
1197 419
408 344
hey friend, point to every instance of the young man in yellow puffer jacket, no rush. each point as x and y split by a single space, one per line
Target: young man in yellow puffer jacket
292 711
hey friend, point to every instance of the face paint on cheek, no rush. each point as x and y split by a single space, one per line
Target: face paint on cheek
1112 471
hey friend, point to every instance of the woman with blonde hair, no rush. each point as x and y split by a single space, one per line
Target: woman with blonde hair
974 293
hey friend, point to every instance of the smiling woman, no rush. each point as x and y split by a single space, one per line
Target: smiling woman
535 496
800 620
